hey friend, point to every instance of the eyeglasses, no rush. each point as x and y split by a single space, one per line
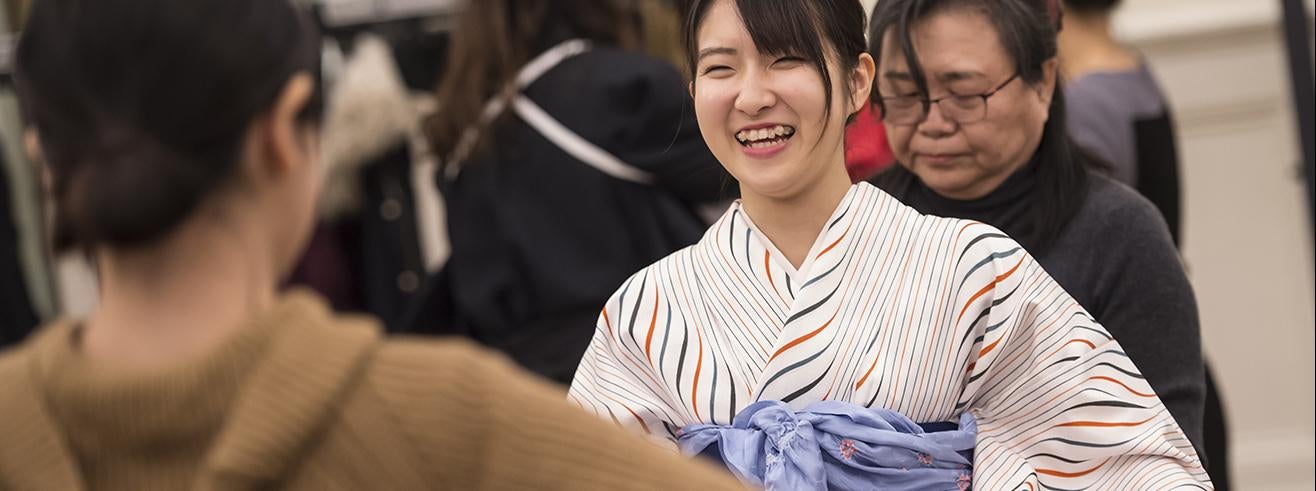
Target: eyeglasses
962 109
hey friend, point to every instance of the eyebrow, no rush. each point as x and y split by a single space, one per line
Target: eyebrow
706 52
957 76
961 75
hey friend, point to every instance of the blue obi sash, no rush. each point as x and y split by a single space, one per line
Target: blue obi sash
837 445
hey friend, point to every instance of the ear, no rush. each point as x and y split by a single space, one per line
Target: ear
861 82
277 134
1046 88
691 88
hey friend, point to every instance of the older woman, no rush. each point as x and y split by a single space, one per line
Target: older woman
976 119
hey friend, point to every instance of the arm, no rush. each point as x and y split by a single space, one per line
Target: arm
1148 304
1058 402
615 379
482 423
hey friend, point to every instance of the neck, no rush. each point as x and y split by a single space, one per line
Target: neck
1087 45
793 223
178 298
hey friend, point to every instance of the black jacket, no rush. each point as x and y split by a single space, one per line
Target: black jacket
16 316
540 239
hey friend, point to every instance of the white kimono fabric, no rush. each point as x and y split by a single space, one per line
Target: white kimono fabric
923 315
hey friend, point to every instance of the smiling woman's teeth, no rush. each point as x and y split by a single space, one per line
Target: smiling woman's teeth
763 137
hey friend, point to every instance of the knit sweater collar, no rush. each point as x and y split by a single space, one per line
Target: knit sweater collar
128 412
246 410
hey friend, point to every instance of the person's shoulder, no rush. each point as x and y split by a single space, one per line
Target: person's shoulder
1113 209
418 379
606 70
663 270
934 230
433 359
894 180
624 63
13 362
622 79
1133 90
17 360
13 358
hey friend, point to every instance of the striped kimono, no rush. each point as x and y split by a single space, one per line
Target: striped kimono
926 316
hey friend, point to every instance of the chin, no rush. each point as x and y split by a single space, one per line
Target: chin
944 182
769 182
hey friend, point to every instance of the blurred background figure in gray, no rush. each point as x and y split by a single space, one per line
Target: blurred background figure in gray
1117 111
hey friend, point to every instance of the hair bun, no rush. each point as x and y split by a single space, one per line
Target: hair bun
141 112
126 189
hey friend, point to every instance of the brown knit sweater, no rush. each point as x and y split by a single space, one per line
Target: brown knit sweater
303 399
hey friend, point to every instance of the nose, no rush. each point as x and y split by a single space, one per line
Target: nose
755 95
936 124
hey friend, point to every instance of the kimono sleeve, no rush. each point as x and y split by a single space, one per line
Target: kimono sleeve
1058 402
615 379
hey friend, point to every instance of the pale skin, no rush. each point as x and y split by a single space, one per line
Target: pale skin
183 295
961 54
1087 45
791 193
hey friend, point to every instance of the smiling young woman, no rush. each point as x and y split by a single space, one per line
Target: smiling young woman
824 335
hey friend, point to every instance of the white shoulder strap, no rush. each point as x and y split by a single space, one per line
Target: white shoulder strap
552 130
548 59
575 145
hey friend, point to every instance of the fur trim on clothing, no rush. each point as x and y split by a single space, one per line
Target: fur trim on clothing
369 111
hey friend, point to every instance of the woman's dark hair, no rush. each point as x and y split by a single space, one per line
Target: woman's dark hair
1027 31
495 38
1091 6
795 27
142 106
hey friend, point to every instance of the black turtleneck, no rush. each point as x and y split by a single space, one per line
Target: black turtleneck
1007 207
1115 256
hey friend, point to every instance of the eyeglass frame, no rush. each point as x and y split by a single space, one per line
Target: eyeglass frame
927 103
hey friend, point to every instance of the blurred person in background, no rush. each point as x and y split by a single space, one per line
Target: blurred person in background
379 201
16 313
1118 113
978 127
822 335
181 140
17 317
568 161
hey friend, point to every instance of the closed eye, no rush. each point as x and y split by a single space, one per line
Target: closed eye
789 61
715 69
897 92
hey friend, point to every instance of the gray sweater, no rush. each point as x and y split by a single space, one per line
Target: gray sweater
1116 258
